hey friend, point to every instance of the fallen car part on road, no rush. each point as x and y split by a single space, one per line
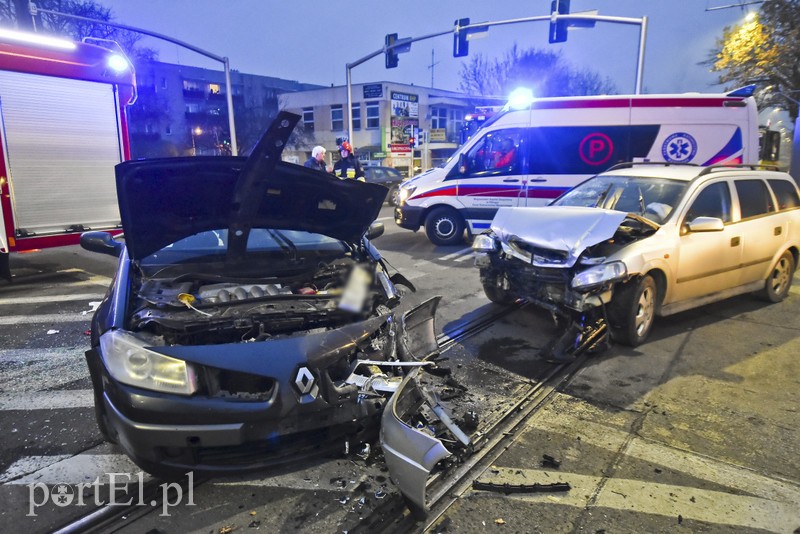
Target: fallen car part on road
521 488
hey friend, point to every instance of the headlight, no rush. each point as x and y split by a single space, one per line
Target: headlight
600 274
406 192
128 361
484 243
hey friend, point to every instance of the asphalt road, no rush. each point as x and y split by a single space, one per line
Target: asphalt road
695 430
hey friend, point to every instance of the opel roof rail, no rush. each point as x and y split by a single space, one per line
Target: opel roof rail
750 166
629 164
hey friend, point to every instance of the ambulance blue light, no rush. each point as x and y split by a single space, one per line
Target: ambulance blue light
745 91
117 63
520 98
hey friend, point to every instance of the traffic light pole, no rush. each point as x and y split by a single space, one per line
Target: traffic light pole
482 26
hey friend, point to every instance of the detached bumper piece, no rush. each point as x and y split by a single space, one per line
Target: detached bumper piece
409 427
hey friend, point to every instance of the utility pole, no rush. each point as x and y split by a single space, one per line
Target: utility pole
432 66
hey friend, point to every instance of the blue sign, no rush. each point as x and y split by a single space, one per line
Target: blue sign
373 90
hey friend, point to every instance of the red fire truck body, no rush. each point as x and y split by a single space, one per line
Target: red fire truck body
63 128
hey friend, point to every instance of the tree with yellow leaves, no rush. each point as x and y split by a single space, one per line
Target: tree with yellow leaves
765 50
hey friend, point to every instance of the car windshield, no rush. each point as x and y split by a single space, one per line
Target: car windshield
212 245
652 198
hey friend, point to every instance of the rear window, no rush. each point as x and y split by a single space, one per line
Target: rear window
754 198
786 193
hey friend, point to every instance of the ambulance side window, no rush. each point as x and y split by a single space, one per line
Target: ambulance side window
497 153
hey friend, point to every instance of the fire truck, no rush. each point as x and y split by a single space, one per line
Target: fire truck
63 128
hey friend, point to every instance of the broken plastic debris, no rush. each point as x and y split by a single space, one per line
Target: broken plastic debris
380 494
500 521
344 500
549 461
364 452
51 332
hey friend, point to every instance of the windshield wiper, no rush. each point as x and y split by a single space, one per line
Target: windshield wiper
285 243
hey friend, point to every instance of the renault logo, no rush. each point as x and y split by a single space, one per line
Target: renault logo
305 383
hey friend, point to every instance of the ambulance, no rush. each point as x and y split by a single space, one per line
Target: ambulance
532 152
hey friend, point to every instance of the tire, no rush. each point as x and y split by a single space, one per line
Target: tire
779 280
494 292
632 311
393 198
444 226
103 423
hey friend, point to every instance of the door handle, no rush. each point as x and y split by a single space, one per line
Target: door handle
514 180
735 241
537 180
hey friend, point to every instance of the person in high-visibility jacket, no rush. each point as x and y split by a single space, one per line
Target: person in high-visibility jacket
348 166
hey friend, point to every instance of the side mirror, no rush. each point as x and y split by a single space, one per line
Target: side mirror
706 224
101 242
463 163
376 230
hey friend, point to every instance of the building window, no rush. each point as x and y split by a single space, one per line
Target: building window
168 129
214 88
337 118
457 119
373 115
308 119
356 116
163 83
439 118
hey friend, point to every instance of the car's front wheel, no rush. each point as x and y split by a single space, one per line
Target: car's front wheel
494 291
444 226
779 280
632 311
394 196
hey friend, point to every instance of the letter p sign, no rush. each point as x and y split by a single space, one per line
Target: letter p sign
596 149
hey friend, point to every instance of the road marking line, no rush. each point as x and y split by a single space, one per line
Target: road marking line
52 298
697 466
47 400
45 318
456 254
82 468
653 498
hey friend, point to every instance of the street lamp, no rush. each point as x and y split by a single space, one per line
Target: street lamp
195 132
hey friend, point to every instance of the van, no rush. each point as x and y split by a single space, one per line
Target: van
530 156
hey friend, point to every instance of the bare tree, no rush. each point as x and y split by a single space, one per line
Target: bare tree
546 73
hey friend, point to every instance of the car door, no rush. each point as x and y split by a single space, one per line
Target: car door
762 228
490 173
708 261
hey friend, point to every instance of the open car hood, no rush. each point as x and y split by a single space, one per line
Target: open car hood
562 228
164 200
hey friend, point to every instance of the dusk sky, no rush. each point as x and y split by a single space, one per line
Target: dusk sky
312 41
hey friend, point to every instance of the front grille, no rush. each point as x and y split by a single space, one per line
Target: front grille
538 254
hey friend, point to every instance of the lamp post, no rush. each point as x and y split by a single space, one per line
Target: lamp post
34 10
195 131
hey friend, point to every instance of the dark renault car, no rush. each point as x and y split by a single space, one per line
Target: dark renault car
250 319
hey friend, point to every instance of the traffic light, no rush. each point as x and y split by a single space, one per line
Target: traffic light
391 53
558 29
412 142
460 42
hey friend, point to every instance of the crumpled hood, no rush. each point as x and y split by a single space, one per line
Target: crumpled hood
563 228
164 200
